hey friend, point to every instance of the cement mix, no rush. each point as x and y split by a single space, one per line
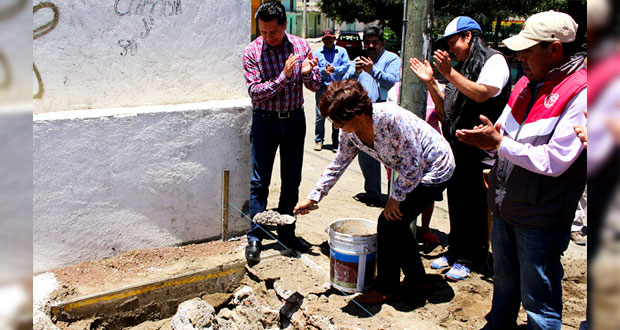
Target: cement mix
273 218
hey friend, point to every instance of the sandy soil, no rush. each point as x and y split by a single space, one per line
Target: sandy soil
141 266
452 305
459 305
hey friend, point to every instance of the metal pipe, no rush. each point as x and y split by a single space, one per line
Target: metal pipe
402 45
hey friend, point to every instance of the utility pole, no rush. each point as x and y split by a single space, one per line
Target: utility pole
304 33
416 43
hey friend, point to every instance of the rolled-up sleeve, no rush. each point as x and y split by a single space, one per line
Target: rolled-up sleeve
313 80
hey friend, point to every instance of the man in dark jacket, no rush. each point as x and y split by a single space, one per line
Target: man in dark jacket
539 174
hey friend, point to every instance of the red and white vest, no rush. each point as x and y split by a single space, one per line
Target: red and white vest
518 195
551 100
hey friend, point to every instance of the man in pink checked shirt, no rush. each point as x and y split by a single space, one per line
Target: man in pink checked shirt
276 67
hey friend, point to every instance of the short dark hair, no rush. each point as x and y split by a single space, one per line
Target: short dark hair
374 31
344 100
269 10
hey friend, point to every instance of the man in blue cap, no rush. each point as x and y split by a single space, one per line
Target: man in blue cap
476 85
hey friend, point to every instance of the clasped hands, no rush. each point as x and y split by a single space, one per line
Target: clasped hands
306 66
424 70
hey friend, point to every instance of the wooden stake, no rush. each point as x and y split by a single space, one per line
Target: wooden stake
225 192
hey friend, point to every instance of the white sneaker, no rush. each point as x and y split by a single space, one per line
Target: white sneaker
458 272
318 146
440 263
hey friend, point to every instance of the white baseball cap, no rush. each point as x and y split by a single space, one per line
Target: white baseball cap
546 26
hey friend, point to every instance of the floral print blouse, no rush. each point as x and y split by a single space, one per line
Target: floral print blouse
402 142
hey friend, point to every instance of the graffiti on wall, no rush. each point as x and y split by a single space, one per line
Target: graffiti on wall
6 77
8 13
40 31
148 9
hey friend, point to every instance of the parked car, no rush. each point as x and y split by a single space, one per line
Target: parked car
350 41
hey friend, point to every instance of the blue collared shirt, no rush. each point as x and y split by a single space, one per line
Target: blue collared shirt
337 57
384 74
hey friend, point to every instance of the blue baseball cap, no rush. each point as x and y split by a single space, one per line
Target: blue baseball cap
460 24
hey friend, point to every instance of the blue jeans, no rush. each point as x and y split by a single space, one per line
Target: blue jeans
527 267
319 123
371 169
266 134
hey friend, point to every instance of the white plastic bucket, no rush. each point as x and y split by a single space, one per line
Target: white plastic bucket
352 254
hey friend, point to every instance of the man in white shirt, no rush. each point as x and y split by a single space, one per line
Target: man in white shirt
539 175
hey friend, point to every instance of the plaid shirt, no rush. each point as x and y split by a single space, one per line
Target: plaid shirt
267 85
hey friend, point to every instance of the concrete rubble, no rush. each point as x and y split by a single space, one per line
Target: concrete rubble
248 312
43 285
194 314
284 307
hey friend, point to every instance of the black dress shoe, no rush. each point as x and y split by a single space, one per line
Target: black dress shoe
372 201
252 252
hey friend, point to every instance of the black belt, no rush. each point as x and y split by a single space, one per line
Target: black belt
277 114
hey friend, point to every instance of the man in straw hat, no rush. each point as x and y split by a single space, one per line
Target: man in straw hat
539 174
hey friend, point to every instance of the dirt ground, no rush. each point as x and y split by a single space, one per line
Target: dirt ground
460 305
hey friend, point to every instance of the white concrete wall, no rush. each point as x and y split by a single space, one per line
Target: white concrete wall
139 107
15 55
15 143
111 181
121 53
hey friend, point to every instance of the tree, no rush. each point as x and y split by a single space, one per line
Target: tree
485 12
389 13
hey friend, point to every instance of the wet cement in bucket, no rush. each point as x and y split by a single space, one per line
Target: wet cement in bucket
354 228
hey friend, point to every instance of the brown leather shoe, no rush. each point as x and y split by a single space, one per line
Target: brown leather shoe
374 297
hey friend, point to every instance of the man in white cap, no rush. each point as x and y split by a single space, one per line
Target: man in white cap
539 174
